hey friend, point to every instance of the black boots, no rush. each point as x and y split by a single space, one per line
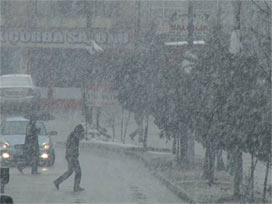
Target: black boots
20 168
56 185
78 189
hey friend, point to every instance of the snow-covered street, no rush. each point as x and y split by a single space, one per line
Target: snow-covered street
107 178
142 101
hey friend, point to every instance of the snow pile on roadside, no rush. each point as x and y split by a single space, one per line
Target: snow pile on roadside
115 143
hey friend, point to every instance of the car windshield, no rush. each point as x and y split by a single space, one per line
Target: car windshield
15 81
19 128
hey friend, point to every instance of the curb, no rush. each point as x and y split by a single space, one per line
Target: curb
171 186
132 152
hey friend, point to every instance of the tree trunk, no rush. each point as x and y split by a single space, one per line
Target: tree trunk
191 148
209 165
174 146
238 174
251 181
113 129
145 132
205 165
265 180
98 112
178 147
220 163
181 150
230 162
184 150
122 124
125 132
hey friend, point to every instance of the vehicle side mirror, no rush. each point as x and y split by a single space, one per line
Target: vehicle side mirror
52 133
5 199
4 175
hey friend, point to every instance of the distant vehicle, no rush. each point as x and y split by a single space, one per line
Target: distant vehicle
17 92
12 138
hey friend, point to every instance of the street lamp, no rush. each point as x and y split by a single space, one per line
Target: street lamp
93 48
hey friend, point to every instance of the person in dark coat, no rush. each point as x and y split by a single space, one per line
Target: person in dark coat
71 155
31 150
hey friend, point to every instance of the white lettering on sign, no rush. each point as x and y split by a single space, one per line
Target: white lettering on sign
58 37
47 37
13 37
36 37
25 36
82 38
2 38
102 94
70 37
101 38
118 38
179 22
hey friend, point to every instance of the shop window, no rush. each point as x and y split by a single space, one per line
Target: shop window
112 9
62 66
6 61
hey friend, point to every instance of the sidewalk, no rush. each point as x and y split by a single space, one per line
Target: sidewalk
185 183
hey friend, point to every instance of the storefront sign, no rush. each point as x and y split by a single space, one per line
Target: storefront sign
102 94
179 23
15 37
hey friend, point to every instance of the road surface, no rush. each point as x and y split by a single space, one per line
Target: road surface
107 178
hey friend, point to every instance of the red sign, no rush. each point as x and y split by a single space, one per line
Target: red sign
102 94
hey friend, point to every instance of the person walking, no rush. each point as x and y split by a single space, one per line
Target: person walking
31 150
71 155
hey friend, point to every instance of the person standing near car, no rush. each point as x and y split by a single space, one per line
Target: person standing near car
31 150
71 155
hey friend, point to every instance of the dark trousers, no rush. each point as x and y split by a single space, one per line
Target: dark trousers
29 159
73 165
34 164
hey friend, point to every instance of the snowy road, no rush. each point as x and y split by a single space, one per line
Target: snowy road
107 178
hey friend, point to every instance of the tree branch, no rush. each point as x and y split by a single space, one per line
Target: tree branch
260 8
267 6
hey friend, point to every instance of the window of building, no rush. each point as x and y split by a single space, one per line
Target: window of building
3 7
7 61
100 8
61 8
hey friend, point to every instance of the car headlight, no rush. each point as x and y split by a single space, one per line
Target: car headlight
5 155
4 145
46 145
45 155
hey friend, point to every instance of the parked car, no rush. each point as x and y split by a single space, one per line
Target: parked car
17 92
12 138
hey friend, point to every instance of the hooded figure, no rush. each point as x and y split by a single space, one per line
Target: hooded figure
71 155
31 150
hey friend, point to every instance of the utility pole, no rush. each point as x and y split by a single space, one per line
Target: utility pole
186 141
138 23
190 24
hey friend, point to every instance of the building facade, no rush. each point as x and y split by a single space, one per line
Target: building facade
50 39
